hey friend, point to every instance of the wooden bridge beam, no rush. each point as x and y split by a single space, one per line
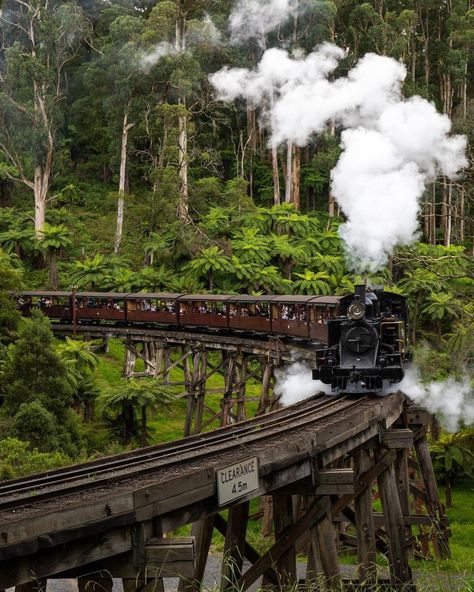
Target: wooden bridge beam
400 571
364 522
433 503
234 547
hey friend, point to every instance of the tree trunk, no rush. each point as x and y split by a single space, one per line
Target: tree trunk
53 275
276 176
432 235
183 168
126 127
296 173
252 136
331 200
43 169
444 205
289 172
461 213
40 202
447 233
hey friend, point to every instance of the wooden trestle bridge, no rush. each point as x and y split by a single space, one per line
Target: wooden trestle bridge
318 462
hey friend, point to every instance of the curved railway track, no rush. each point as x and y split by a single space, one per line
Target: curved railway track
101 472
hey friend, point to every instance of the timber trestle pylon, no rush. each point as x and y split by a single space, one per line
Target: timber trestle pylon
385 469
323 499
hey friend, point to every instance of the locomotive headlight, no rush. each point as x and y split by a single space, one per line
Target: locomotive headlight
356 311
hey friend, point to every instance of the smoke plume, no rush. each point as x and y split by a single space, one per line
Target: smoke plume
255 18
295 383
154 56
203 31
451 400
392 146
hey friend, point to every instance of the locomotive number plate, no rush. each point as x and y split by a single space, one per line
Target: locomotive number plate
237 480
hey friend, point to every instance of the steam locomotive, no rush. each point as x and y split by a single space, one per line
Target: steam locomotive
367 343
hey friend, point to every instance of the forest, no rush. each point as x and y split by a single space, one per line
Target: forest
122 169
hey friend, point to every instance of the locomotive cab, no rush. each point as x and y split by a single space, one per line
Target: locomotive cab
366 345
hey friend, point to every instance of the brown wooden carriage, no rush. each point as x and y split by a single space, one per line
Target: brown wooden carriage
250 313
153 307
101 306
53 304
203 310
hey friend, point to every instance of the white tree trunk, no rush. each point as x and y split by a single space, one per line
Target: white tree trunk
183 168
40 201
122 181
42 171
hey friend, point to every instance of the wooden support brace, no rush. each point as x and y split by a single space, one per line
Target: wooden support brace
313 514
234 547
324 549
433 502
400 572
202 532
173 557
285 564
365 531
334 481
397 438
249 552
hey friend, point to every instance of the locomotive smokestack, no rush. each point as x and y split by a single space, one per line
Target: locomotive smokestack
359 291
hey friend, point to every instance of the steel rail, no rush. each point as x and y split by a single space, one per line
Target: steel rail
149 452
140 466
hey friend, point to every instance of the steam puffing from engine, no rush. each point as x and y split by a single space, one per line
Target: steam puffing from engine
367 343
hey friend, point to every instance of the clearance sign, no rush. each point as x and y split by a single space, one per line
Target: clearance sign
237 480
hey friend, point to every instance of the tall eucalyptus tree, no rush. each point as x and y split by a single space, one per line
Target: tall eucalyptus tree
39 39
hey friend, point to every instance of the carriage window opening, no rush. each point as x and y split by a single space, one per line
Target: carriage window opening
300 312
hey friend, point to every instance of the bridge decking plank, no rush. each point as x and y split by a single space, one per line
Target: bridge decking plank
172 487
67 518
65 557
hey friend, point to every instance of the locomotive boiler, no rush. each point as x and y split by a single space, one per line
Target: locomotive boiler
367 343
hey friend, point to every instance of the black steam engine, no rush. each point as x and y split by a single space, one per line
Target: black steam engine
367 343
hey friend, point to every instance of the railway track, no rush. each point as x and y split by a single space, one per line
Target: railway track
102 472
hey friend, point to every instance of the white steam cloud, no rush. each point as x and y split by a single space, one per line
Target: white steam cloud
154 56
204 31
255 18
392 146
451 400
295 383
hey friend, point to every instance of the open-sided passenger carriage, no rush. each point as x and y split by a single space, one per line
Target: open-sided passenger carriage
153 308
203 310
53 304
101 306
249 313
304 317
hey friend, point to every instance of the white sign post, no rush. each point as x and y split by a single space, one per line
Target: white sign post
237 480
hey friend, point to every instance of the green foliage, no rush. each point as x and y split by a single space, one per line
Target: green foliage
125 406
453 457
310 282
96 272
34 371
17 459
10 279
35 424
210 262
